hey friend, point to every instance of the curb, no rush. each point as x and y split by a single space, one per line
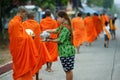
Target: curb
6 67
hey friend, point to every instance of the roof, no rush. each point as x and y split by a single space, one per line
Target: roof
87 9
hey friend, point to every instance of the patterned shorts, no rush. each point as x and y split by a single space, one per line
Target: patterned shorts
67 63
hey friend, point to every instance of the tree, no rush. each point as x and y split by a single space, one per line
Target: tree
107 3
0 18
95 2
114 10
45 4
5 7
101 3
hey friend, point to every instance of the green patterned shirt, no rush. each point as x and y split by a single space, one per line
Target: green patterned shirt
65 48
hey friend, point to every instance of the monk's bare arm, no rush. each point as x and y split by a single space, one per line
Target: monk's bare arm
53 40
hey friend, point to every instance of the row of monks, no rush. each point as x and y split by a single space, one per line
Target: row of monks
88 28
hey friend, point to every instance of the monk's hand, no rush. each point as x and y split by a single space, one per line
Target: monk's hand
32 35
30 32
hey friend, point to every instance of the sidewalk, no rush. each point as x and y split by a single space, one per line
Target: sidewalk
6 67
93 63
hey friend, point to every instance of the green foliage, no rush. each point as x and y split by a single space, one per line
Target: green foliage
51 4
101 3
64 2
5 7
95 2
114 10
107 3
44 4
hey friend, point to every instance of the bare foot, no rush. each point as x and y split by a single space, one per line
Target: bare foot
39 79
49 70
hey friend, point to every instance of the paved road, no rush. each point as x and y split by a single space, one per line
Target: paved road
93 63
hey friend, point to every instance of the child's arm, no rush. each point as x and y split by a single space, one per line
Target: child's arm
52 40
52 30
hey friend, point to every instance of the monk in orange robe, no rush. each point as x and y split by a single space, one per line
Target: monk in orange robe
97 23
104 18
107 18
90 33
22 48
42 50
49 23
78 31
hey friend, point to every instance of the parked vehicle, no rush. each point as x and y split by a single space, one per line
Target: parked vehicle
38 12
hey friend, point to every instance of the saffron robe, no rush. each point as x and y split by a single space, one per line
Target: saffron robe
49 23
90 32
97 24
78 31
104 18
22 49
41 48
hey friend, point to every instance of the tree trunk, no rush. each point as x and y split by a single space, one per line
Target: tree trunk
0 18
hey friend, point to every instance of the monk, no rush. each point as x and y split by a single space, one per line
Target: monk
41 48
22 48
104 18
49 23
97 23
78 31
90 33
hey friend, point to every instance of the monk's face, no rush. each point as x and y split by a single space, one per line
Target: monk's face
23 14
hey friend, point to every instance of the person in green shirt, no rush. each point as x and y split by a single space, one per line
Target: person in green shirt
64 40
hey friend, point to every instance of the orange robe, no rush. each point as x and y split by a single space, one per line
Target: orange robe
102 21
97 24
90 32
107 18
104 18
49 23
42 50
78 31
22 49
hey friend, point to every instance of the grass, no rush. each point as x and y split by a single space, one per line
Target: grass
4 49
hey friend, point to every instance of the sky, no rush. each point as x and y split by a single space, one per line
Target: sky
117 1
